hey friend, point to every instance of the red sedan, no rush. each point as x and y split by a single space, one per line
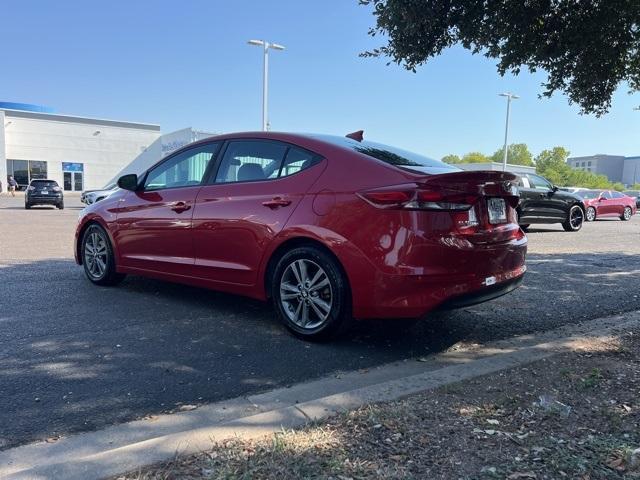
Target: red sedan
328 228
608 203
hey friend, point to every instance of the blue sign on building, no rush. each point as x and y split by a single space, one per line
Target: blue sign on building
72 167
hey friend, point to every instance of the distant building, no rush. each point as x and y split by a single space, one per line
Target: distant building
609 165
496 166
631 171
78 152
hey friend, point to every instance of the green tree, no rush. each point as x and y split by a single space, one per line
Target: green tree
587 48
451 159
552 164
517 154
475 157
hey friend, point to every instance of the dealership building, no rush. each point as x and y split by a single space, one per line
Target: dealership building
78 152
616 168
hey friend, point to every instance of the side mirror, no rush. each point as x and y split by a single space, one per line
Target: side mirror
554 188
128 182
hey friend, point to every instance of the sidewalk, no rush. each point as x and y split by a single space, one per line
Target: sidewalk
562 404
575 415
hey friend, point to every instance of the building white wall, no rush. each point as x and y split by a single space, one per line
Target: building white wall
496 166
104 147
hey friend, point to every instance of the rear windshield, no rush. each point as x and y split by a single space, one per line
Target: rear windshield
589 194
392 155
44 183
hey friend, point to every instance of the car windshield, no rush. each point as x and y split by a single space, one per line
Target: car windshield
632 193
589 194
392 155
44 183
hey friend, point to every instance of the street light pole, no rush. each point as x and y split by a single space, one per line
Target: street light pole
265 77
509 96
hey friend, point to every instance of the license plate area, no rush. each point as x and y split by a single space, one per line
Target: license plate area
497 209
44 192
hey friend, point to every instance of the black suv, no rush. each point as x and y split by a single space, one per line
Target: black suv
542 202
43 192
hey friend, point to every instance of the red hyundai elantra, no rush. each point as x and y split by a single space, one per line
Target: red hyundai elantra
329 228
608 203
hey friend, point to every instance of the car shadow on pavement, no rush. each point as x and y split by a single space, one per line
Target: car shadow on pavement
76 357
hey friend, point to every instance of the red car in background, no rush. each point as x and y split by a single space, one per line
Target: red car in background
608 203
328 228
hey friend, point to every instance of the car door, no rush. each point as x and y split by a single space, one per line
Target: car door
154 224
246 203
537 200
605 204
618 202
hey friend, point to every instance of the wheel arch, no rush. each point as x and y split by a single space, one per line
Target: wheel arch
83 229
295 242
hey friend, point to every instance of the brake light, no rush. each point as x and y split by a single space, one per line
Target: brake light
31 187
413 198
56 189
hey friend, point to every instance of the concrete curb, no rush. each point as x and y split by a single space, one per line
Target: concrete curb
129 446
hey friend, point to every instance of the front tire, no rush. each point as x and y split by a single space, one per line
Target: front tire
574 220
626 215
98 259
311 294
591 214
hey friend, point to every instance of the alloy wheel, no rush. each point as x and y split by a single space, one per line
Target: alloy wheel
306 294
96 255
576 217
627 213
591 214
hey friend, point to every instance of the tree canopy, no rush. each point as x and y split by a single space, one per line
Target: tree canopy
517 154
587 48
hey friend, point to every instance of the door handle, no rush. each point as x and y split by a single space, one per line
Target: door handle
179 207
277 202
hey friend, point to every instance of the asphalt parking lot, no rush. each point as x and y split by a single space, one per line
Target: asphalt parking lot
75 357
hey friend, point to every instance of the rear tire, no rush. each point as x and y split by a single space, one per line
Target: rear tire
98 258
626 215
27 206
574 220
311 294
60 206
591 214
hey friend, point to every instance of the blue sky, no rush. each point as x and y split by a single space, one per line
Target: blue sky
186 63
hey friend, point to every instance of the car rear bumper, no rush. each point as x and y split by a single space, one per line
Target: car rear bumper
469 278
44 199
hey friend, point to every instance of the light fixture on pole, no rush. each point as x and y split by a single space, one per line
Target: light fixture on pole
510 96
265 76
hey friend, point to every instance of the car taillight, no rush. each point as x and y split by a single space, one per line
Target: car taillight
31 187
413 198
56 189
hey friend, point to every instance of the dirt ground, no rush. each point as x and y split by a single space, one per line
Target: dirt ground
573 416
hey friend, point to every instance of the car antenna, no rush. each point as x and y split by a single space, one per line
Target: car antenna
357 136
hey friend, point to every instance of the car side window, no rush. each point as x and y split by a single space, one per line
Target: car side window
539 182
297 160
617 195
524 182
606 195
250 160
183 170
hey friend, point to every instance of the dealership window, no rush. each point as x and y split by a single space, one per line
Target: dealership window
72 176
588 164
26 170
